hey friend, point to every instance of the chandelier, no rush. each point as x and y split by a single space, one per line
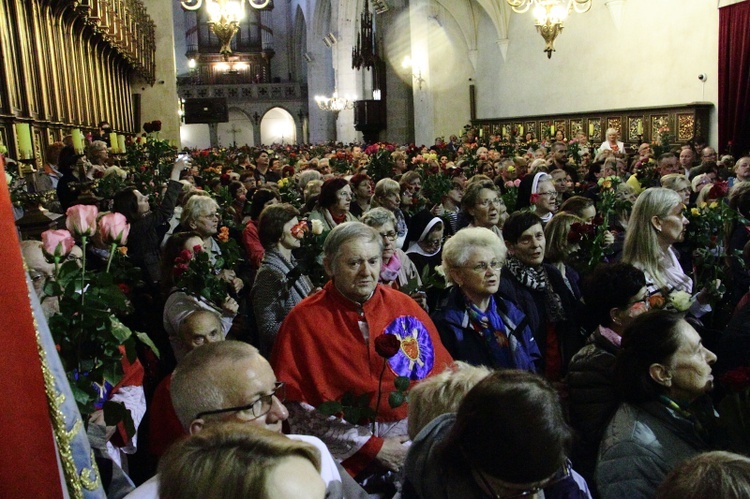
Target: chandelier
334 103
364 53
224 17
549 15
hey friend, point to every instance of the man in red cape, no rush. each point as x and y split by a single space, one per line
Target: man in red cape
325 349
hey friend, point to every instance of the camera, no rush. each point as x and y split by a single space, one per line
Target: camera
702 77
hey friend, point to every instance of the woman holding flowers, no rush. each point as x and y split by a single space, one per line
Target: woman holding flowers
657 223
147 228
276 290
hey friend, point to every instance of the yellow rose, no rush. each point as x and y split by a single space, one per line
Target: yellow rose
680 300
713 205
695 211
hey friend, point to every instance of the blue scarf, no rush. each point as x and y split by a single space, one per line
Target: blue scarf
490 326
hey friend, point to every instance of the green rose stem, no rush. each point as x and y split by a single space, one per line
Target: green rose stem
112 249
83 269
380 392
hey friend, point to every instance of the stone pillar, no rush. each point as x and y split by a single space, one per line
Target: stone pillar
213 134
160 101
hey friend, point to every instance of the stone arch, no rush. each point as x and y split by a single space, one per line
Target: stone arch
278 126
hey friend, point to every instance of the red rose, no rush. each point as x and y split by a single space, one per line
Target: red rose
534 198
737 379
124 288
148 127
387 345
156 125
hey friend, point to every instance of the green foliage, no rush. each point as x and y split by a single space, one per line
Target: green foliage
195 275
381 165
89 336
435 185
354 409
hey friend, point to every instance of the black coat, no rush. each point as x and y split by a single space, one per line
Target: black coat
532 304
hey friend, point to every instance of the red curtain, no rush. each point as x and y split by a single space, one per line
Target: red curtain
734 78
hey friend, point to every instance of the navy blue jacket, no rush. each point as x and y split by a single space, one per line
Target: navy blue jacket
466 344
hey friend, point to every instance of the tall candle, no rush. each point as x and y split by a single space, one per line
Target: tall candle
591 130
480 131
640 128
552 130
113 142
25 151
77 138
121 143
520 129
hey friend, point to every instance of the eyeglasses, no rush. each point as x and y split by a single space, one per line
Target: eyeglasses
432 242
481 267
510 491
550 193
260 407
391 236
211 215
485 203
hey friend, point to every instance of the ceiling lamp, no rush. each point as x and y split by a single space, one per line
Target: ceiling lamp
224 17
364 53
334 103
549 15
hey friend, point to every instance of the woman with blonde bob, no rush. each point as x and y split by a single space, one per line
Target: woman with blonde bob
238 460
442 394
475 324
657 223
388 195
680 184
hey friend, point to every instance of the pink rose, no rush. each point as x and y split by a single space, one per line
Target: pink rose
114 228
82 219
57 243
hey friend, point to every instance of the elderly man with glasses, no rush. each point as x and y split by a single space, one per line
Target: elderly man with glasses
229 381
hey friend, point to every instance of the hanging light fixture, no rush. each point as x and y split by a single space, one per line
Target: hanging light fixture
224 17
550 15
364 53
334 103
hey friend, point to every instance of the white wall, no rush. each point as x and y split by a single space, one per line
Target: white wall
195 136
653 60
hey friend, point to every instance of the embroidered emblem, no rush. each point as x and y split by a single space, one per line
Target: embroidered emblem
416 356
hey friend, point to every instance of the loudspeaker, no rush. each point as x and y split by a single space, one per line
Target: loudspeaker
206 111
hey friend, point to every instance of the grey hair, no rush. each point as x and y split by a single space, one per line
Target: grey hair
307 176
377 217
611 130
200 383
456 249
344 233
196 207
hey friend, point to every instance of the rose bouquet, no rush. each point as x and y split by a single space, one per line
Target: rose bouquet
87 330
309 254
195 275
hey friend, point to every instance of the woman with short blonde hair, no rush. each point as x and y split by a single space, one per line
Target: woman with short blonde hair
238 460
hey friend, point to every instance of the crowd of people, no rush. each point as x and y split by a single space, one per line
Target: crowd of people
483 317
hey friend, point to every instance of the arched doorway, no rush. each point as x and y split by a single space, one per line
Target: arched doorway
238 131
278 127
